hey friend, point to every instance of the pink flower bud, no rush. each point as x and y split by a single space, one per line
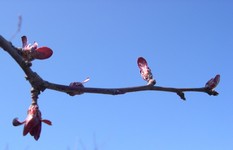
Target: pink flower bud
144 69
32 124
42 53
212 83
31 52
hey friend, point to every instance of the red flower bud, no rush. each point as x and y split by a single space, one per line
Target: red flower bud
32 124
78 84
212 83
31 52
144 69
42 53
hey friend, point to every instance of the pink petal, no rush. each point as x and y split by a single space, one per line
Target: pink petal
142 63
217 79
48 122
29 125
36 131
43 53
34 46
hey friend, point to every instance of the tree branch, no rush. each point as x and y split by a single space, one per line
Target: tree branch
117 91
39 84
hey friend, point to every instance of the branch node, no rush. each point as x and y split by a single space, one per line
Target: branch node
151 82
28 63
211 92
26 77
117 92
181 94
36 81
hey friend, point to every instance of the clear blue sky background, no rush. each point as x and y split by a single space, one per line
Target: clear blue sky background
185 43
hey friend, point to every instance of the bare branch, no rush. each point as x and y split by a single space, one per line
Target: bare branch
39 84
117 91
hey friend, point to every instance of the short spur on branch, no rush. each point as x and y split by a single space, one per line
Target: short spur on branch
31 51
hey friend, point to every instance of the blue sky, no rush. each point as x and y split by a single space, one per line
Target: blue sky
185 43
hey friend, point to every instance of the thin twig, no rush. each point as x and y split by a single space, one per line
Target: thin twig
117 91
18 27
